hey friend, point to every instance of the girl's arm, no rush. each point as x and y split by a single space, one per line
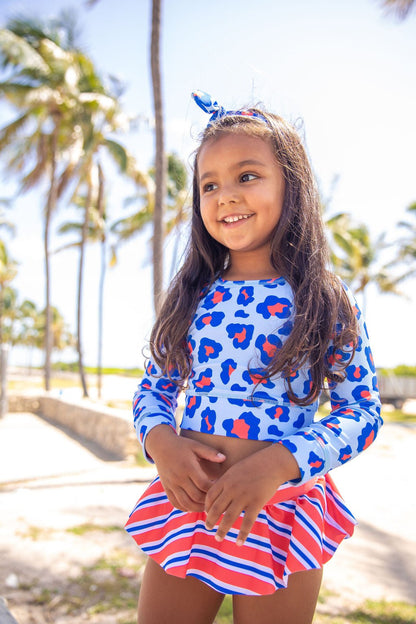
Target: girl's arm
178 459
154 403
350 428
354 420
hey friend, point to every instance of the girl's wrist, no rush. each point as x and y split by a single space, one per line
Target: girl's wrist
279 460
157 439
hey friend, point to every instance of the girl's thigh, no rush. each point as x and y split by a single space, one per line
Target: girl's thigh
293 605
167 599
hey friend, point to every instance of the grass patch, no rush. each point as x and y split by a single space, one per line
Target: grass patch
140 460
35 533
383 612
397 416
111 585
225 614
373 612
87 527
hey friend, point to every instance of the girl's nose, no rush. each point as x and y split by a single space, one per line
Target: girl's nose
227 195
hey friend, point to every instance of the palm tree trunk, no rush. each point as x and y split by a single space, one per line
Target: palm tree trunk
80 284
160 158
100 206
50 206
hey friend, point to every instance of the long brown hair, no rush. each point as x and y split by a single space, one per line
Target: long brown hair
299 252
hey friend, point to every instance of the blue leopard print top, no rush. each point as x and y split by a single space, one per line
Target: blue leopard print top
236 330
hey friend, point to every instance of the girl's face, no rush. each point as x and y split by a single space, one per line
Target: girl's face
241 190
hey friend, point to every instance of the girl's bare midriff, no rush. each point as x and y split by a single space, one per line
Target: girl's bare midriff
234 449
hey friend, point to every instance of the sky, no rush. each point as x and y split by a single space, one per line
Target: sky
343 72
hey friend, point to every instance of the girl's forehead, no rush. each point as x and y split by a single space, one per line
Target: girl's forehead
233 144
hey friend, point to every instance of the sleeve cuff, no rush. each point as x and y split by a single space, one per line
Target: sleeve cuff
310 453
144 429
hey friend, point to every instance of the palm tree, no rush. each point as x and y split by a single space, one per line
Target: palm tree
355 256
83 117
43 87
177 209
160 159
97 231
8 271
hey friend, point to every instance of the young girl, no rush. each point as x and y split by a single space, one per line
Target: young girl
251 326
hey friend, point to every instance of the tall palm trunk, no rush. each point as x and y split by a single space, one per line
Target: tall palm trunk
84 236
50 206
160 159
100 206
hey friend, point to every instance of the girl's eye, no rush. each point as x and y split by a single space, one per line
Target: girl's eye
247 177
210 186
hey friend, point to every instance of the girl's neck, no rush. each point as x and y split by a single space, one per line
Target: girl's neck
238 271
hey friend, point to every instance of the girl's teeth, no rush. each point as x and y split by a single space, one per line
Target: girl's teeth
233 219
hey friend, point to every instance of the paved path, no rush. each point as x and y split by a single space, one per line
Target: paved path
51 481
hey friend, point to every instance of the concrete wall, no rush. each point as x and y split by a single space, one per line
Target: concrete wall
111 429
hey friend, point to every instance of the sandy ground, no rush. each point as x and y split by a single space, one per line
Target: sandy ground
51 483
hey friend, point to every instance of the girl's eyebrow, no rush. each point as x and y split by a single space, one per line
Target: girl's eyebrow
242 163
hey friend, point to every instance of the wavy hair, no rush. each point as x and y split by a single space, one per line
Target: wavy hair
298 252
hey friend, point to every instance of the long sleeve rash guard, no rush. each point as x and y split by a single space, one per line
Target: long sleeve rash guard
236 330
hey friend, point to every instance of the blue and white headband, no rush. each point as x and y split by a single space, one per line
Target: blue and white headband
210 106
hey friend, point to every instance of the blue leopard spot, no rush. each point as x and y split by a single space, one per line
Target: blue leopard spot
356 373
300 421
208 418
227 369
345 454
369 358
219 295
268 345
245 427
241 334
278 412
275 431
208 350
245 295
286 328
237 388
274 306
315 462
211 318
241 314
193 403
254 376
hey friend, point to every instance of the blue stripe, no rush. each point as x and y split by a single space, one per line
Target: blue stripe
339 503
153 523
219 588
310 526
232 564
302 554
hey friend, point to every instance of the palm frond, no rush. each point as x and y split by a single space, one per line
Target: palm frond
118 152
16 51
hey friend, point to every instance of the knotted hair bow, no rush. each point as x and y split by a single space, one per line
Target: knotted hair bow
210 106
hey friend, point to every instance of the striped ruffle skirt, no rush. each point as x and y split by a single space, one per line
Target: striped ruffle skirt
298 533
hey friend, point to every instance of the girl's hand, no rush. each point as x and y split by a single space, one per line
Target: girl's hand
247 486
178 461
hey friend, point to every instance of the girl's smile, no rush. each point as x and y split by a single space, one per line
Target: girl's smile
241 189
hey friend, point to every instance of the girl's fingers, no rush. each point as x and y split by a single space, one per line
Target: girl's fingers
200 480
181 500
246 526
220 506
